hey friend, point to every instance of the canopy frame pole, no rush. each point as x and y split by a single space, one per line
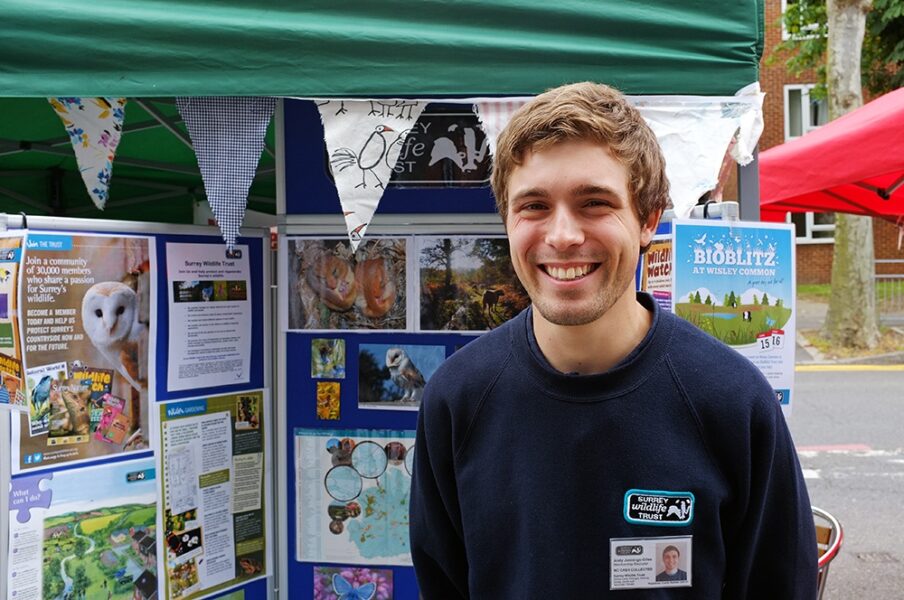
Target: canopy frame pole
749 189
166 122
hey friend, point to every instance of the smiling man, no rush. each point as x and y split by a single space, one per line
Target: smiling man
555 452
671 572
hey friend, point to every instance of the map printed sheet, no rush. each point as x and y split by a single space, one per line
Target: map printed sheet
352 491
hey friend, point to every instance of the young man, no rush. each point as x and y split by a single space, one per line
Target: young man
593 425
671 572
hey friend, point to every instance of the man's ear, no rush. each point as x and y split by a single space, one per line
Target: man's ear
648 228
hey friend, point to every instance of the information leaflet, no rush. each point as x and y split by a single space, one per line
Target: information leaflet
213 463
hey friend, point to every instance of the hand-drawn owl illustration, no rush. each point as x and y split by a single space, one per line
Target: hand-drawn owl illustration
110 318
404 374
367 158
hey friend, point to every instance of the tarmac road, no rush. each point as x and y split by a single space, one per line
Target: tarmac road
847 425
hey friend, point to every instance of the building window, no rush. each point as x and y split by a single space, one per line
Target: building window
802 28
803 113
813 228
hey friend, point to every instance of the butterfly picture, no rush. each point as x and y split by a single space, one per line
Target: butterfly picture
346 591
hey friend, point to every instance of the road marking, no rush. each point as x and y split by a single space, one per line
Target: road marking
806 368
835 448
811 473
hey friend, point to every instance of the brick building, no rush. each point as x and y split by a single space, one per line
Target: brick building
789 112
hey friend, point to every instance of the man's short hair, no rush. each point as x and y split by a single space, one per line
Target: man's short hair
669 549
585 111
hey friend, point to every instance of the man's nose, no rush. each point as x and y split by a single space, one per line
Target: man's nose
564 229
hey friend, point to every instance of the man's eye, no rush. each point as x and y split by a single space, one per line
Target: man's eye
533 206
594 202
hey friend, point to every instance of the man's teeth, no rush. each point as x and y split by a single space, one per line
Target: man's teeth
569 273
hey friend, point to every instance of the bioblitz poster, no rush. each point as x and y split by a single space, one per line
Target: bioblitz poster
736 281
87 318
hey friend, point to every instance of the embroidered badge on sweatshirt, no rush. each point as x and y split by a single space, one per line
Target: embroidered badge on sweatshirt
656 507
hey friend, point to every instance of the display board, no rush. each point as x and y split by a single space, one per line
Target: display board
360 335
139 425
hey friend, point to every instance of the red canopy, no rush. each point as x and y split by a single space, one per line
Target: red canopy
854 164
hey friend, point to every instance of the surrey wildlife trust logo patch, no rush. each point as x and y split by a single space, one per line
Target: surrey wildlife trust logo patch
648 507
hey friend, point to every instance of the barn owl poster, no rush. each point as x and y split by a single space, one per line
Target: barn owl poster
86 329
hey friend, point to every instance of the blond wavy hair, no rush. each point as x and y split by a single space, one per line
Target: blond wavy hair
585 111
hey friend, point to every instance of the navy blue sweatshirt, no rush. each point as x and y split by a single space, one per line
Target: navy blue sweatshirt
522 473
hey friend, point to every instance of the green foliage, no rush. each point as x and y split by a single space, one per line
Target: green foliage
765 299
696 299
709 300
883 45
80 582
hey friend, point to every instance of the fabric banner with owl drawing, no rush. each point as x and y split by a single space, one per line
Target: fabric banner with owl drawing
363 139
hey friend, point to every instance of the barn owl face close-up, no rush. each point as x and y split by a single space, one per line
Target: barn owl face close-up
109 310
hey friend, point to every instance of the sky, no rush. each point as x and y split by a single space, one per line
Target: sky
101 486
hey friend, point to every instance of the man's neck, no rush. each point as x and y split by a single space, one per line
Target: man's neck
598 346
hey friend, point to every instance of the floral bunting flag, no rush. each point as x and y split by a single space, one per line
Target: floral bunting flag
94 126
228 137
363 141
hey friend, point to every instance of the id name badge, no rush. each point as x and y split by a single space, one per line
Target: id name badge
654 562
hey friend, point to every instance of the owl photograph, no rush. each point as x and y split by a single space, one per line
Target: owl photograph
96 315
393 376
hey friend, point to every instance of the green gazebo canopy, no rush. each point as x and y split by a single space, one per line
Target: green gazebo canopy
152 50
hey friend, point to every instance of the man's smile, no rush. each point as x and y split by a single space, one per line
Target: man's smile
569 272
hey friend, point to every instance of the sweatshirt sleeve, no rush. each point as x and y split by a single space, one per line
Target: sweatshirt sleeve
774 553
437 544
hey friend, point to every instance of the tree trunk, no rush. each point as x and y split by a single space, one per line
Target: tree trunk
851 321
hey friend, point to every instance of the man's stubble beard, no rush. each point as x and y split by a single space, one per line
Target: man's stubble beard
563 311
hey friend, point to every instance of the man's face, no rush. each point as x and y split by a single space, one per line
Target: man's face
573 232
670 559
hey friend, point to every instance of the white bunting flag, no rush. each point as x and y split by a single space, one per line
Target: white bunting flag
494 115
228 136
363 141
694 133
94 126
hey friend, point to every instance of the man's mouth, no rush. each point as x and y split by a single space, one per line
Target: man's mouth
569 273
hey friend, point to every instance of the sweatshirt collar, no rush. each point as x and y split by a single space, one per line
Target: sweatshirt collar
627 375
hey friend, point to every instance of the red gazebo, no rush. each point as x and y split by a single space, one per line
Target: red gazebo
854 164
